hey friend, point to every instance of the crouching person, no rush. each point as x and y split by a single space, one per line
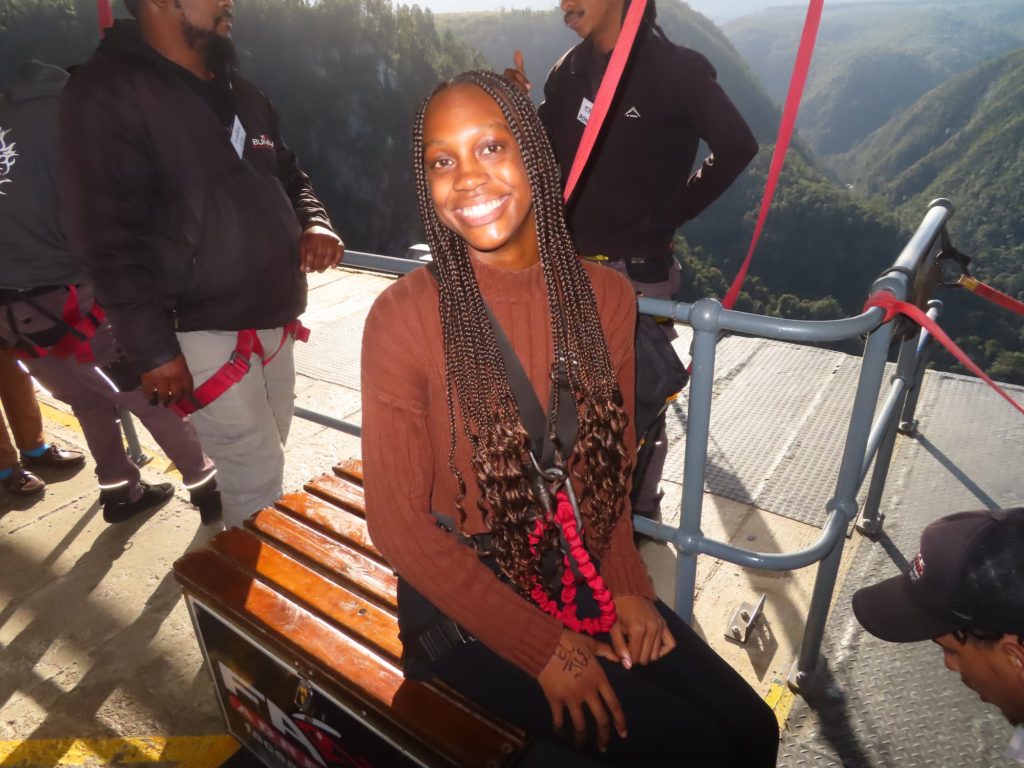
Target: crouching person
964 591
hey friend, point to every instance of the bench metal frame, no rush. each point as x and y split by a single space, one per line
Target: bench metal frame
868 439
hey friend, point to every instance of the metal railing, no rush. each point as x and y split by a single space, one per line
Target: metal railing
869 439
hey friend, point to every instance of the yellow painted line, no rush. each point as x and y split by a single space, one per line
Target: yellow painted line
68 420
780 698
182 751
54 414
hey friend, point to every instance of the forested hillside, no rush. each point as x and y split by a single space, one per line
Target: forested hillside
965 141
873 60
345 75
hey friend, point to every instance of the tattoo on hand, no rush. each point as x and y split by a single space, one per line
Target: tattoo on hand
574 659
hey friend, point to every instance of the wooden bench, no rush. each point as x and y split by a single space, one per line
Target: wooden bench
295 614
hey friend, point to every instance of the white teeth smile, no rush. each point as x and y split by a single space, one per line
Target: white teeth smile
481 210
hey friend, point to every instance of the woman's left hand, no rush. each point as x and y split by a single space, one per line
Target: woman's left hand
640 635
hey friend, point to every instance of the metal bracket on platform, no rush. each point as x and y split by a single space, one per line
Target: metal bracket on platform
743 619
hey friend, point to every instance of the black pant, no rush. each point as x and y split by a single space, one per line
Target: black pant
689 708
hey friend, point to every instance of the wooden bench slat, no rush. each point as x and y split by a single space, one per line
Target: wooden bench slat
345 494
350 469
337 522
360 618
377 683
365 574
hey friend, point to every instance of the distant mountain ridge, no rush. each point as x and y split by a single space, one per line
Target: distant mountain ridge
874 59
963 140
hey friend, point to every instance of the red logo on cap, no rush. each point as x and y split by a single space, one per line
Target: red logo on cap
916 567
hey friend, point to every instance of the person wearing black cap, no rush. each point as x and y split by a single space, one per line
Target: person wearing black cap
964 590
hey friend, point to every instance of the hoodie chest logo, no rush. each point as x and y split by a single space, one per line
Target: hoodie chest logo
7 157
262 142
633 113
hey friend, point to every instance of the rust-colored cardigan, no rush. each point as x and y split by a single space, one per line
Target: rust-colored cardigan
406 442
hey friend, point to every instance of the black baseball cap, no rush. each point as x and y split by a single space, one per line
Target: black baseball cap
969 574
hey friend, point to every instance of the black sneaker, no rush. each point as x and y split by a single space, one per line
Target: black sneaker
206 498
118 506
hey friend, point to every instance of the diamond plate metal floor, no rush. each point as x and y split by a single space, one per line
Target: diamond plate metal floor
779 417
883 705
778 422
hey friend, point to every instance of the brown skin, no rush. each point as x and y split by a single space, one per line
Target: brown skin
573 679
478 182
168 383
640 635
995 671
161 25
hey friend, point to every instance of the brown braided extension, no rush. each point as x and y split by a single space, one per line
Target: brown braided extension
475 372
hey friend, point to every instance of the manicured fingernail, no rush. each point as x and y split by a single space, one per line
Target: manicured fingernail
626 661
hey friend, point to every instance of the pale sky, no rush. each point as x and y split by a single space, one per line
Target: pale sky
718 10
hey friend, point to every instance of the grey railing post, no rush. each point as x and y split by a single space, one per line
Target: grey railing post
845 500
704 320
135 452
908 420
906 370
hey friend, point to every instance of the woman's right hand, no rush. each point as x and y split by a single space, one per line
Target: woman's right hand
573 678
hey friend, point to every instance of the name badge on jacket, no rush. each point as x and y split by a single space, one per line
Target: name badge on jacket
586 107
238 137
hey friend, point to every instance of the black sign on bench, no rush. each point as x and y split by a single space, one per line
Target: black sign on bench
281 718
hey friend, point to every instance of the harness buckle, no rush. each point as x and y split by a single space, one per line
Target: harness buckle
239 361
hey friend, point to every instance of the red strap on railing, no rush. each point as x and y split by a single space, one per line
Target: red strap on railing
605 93
893 306
988 292
789 115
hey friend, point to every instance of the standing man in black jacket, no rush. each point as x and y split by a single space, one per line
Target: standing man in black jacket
197 226
639 186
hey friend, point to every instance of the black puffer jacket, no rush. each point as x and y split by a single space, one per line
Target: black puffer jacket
177 231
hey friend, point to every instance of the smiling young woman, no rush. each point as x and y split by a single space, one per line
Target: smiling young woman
509 591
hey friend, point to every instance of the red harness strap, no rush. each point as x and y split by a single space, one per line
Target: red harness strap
892 307
75 342
234 370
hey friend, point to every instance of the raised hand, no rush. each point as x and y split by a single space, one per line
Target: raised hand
518 74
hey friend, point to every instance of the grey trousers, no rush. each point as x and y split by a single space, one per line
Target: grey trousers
648 500
95 404
245 429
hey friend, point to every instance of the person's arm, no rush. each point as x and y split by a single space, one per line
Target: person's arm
397 472
622 567
320 246
717 121
108 183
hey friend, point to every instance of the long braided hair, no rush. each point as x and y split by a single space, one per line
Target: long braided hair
476 379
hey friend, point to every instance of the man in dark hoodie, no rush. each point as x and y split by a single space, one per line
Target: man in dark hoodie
197 227
48 317
640 186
